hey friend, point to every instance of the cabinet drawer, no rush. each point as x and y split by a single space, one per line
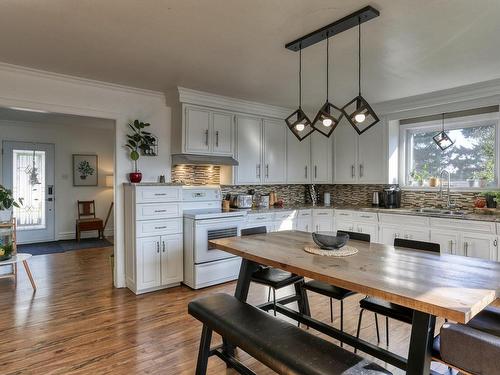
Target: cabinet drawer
158 211
257 218
156 227
344 215
469 225
322 212
404 220
305 213
366 216
153 194
285 215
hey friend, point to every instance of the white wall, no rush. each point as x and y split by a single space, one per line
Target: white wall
23 87
68 140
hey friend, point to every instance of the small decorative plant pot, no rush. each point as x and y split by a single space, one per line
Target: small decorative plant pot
471 183
5 216
135 177
490 201
420 183
483 182
480 202
433 181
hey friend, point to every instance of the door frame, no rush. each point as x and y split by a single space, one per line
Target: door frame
26 144
118 118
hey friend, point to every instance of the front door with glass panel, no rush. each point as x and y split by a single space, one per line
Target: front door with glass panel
28 169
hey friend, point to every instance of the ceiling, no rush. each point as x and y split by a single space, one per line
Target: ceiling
8 114
236 47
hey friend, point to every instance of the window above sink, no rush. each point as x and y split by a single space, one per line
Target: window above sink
472 159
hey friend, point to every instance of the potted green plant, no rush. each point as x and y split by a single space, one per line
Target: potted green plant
6 250
482 178
7 201
139 141
491 198
420 176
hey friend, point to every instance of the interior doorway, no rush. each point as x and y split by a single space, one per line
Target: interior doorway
28 170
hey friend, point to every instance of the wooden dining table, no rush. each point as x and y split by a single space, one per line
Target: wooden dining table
433 285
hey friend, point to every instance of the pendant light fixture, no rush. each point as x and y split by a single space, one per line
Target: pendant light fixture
329 116
359 113
298 122
442 139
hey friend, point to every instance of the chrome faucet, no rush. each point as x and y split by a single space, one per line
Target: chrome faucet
449 206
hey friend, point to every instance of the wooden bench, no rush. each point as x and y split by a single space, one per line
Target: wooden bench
281 346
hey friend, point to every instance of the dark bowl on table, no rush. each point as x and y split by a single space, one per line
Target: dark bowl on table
330 240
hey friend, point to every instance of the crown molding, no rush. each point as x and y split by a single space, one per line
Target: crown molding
18 69
466 93
206 99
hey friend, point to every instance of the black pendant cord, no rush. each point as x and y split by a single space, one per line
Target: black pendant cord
442 124
359 56
327 61
300 78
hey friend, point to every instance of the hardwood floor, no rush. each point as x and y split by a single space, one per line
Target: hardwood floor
76 323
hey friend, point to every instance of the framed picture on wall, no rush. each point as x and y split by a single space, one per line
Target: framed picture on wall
84 170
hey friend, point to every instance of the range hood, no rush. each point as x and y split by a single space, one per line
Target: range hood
203 159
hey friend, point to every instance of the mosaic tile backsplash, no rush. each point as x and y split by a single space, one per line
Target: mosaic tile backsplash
344 195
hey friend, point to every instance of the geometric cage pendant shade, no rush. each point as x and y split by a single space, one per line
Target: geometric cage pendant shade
299 124
360 114
327 119
442 139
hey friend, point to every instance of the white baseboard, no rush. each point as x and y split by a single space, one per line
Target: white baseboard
93 234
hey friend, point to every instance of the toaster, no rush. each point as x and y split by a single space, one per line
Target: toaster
241 200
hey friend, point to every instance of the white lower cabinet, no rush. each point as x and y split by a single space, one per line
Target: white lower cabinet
447 240
153 242
390 232
367 228
304 221
479 245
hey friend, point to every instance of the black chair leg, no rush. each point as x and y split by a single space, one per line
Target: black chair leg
359 326
204 351
387 330
274 301
331 310
269 294
341 319
376 327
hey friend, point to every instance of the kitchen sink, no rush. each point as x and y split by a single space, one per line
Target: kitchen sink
439 211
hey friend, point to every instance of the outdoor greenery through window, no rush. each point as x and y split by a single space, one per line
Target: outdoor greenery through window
471 160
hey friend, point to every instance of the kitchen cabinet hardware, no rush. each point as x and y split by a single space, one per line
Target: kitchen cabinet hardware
163 245
157 247
315 171
495 243
160 194
162 227
206 137
353 172
466 248
305 174
160 211
360 170
217 138
365 216
267 170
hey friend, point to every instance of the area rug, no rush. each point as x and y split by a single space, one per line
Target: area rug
54 247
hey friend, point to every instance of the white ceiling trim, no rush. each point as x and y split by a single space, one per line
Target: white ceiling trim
4 67
486 93
206 99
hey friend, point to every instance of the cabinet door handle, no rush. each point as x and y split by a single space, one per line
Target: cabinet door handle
163 245
158 211
158 247
466 248
257 171
217 138
160 194
361 170
267 170
305 171
353 171
365 216
163 227
495 243
315 171
206 137
451 246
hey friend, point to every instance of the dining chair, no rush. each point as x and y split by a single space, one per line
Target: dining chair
87 220
389 309
274 278
332 291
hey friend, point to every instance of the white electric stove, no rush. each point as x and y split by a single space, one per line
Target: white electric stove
204 220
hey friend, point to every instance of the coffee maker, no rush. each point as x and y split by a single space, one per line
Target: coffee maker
391 197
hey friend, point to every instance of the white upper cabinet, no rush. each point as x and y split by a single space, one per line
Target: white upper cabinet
321 158
197 129
298 160
248 150
207 131
345 148
359 159
274 166
222 133
372 167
